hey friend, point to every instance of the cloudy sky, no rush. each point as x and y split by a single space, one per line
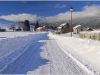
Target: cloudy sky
47 11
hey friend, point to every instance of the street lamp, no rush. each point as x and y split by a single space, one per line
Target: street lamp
71 9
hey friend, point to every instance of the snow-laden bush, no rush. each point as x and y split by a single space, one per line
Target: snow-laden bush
95 35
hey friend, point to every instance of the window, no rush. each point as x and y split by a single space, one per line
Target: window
81 29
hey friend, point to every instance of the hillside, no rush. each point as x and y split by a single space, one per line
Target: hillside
92 21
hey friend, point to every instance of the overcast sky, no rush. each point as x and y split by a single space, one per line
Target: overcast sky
47 11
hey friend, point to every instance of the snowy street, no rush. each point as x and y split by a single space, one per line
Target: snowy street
45 57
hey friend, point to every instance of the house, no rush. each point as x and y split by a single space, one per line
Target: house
63 28
77 29
39 29
45 27
89 29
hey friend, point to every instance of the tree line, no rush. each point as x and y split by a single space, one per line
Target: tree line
25 26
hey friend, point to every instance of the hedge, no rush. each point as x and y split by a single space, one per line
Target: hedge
95 35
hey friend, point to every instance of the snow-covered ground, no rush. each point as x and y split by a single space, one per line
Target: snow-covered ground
11 34
15 44
48 53
86 49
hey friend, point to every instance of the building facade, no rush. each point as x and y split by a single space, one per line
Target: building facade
77 29
63 28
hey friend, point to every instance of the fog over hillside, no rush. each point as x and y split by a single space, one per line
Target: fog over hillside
92 21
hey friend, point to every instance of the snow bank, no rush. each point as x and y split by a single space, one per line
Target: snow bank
12 48
86 49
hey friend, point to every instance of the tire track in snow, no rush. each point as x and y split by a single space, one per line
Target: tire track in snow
59 62
26 62
77 62
58 56
45 57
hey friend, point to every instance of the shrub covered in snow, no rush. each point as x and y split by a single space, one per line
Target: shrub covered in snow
95 35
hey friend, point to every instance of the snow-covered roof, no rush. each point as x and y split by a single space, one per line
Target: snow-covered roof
59 27
77 26
39 27
62 24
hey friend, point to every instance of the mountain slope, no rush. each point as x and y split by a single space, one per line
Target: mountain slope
92 21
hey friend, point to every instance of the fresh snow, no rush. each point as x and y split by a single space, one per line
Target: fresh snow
11 48
48 53
77 26
87 49
11 34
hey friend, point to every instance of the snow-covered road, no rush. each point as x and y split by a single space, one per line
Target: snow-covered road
45 57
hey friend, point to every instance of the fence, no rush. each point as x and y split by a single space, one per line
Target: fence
95 35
